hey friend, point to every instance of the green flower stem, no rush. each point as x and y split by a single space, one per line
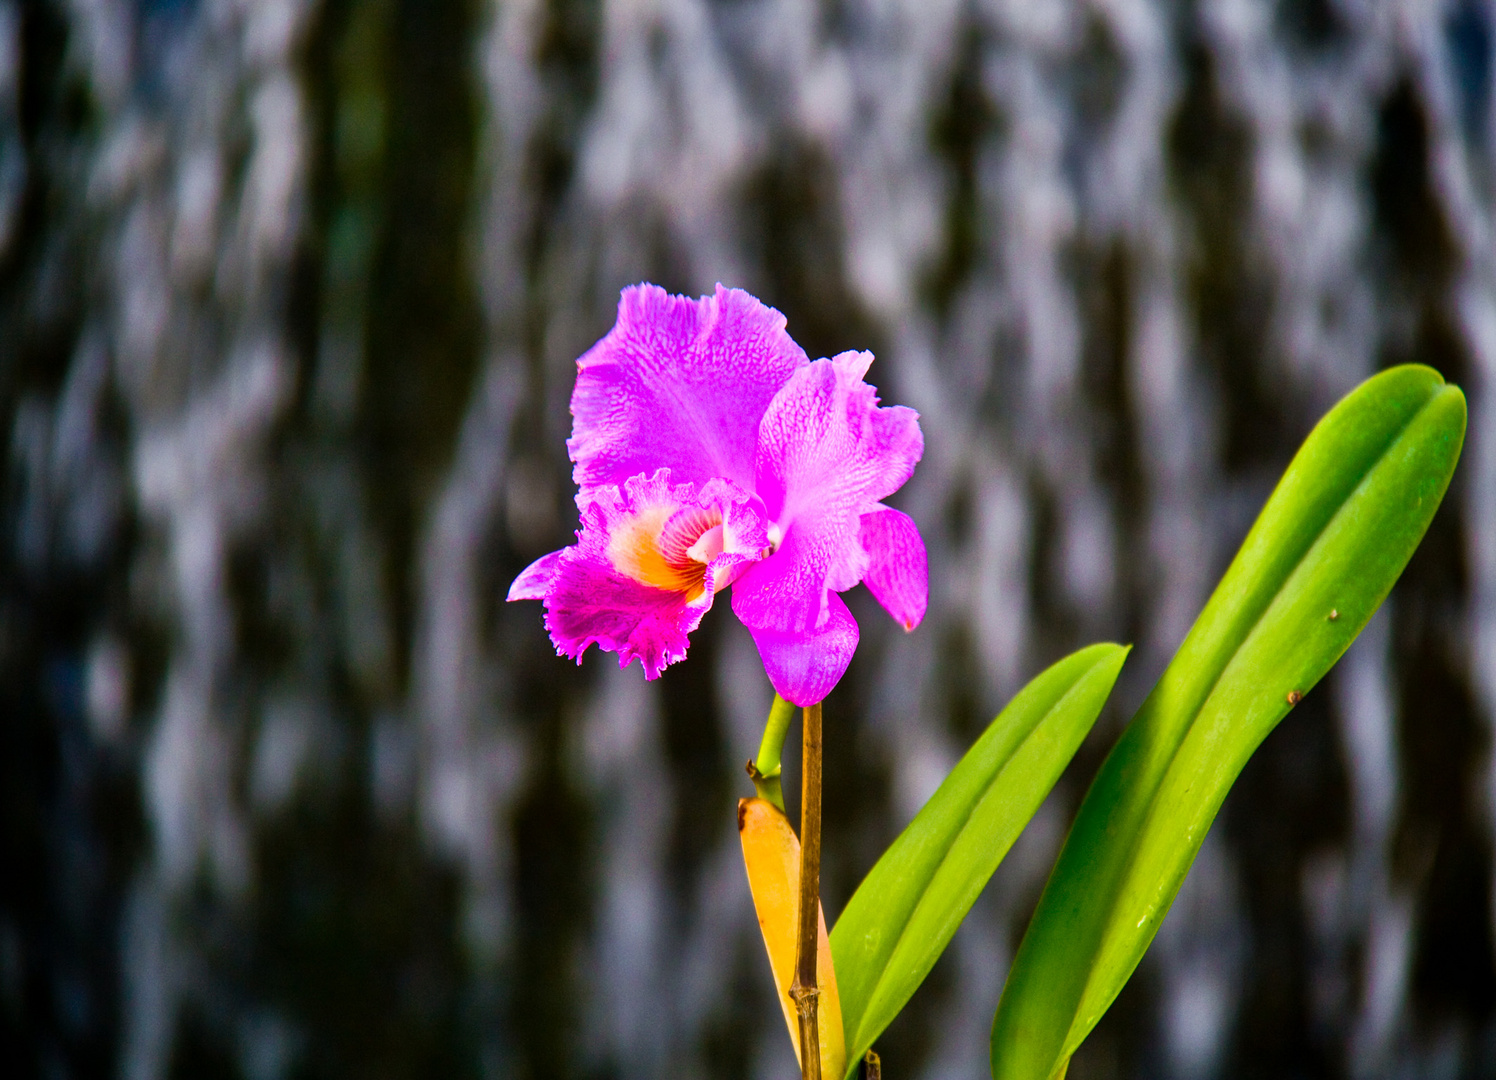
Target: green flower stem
765 769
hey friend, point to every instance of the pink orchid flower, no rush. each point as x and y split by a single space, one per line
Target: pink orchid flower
710 451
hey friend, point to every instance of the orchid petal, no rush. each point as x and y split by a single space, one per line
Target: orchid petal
536 579
678 382
827 454
898 573
805 667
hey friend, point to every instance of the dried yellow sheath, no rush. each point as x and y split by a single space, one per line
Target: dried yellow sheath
771 852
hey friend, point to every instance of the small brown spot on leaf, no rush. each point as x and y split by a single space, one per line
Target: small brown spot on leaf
1294 697
1334 614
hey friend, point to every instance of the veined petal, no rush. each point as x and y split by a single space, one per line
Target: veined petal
679 383
637 582
898 572
804 667
827 453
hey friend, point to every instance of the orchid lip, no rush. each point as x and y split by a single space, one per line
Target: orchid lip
692 548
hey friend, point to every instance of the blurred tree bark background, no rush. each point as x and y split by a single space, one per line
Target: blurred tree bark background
290 295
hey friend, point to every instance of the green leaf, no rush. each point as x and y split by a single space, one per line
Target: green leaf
903 914
1322 556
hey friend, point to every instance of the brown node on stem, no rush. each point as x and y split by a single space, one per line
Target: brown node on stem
806 1000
